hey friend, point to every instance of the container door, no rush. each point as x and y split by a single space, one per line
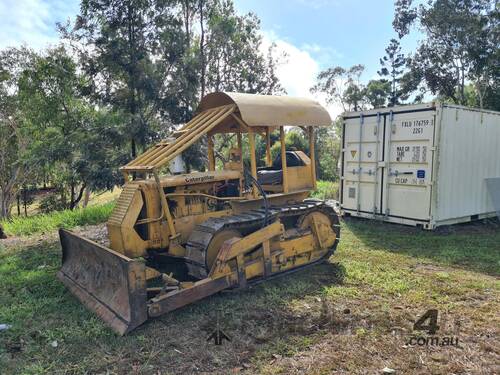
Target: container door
361 173
409 139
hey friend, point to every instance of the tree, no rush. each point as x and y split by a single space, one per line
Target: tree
80 145
460 47
377 92
342 86
131 50
223 53
404 16
154 60
232 52
393 66
15 137
328 152
225 49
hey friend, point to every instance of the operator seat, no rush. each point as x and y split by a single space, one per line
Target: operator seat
273 175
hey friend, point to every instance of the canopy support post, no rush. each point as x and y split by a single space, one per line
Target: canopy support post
211 157
242 166
312 156
269 162
283 160
253 161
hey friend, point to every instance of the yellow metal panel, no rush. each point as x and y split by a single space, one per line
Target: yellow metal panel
269 161
211 156
312 154
122 235
270 110
283 160
253 162
299 178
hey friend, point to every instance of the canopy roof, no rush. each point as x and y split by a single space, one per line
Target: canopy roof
223 112
270 110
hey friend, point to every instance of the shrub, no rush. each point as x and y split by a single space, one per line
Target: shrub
326 190
51 203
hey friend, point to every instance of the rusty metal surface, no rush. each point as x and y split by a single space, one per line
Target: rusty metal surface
106 282
270 110
177 299
246 222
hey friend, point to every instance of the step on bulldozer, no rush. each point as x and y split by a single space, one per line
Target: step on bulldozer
175 238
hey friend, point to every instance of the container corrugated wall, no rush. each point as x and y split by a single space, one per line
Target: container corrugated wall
469 152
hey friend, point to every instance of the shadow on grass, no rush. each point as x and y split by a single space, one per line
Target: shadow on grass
41 312
472 246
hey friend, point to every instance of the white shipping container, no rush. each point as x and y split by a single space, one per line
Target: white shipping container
427 164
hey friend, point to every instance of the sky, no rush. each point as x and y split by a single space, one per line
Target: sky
315 34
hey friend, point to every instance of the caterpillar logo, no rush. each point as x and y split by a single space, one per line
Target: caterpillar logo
199 180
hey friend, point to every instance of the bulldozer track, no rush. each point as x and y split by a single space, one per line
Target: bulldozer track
246 223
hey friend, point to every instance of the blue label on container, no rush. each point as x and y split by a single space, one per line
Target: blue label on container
420 173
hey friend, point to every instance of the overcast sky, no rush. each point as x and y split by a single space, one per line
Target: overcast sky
315 34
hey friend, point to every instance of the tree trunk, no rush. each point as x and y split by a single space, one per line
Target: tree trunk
7 198
133 148
75 201
86 197
24 203
202 49
2 233
72 196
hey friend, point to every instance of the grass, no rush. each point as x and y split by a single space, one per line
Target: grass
43 223
326 190
96 199
337 317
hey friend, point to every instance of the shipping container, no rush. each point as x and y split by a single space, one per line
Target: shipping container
428 164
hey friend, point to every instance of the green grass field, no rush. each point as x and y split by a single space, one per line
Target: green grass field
43 223
353 314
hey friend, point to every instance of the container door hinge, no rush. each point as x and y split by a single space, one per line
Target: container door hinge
375 129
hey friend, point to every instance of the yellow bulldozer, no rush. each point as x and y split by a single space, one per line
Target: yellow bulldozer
177 238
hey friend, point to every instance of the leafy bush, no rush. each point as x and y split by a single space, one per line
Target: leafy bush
51 203
20 226
326 190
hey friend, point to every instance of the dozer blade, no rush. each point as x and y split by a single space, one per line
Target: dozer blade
106 282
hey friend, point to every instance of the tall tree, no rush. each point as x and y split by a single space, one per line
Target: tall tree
460 47
342 86
228 48
15 136
224 53
131 48
78 143
393 64
376 92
